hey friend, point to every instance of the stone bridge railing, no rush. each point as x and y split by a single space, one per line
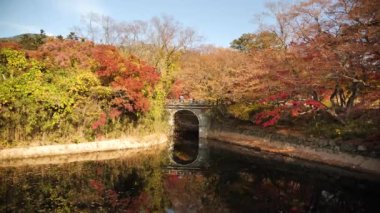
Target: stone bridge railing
189 103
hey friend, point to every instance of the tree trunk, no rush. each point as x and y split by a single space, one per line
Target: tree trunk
314 94
335 116
351 99
11 133
333 95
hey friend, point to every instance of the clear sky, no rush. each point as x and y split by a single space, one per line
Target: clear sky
218 21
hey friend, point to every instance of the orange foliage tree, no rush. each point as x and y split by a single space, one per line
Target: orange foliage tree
329 59
132 80
215 75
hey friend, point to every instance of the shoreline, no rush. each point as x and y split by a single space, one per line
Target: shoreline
82 157
347 161
87 147
108 149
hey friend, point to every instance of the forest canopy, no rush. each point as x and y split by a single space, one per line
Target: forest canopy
320 60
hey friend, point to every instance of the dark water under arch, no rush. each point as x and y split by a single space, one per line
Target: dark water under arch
186 137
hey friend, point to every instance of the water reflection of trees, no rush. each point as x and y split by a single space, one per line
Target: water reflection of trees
105 186
240 184
234 183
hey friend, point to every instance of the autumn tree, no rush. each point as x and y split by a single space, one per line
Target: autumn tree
336 48
132 80
159 41
68 86
329 60
66 53
216 75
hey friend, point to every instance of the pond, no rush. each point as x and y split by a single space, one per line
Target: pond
235 180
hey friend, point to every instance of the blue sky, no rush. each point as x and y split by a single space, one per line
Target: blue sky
218 21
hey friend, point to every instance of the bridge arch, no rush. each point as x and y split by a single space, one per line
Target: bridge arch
185 119
199 113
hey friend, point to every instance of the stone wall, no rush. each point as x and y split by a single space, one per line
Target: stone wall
320 155
328 145
65 149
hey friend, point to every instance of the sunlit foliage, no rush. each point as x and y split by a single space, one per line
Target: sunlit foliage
67 87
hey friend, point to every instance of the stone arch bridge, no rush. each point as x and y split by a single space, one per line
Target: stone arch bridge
201 110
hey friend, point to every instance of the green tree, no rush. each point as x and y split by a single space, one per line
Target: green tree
72 36
33 41
259 41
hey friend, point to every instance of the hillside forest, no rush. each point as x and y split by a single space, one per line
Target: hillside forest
315 71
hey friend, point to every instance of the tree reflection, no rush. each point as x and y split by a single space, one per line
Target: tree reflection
104 186
233 183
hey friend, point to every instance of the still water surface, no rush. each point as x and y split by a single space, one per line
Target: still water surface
233 182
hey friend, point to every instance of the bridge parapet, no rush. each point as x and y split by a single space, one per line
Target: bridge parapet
189 103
